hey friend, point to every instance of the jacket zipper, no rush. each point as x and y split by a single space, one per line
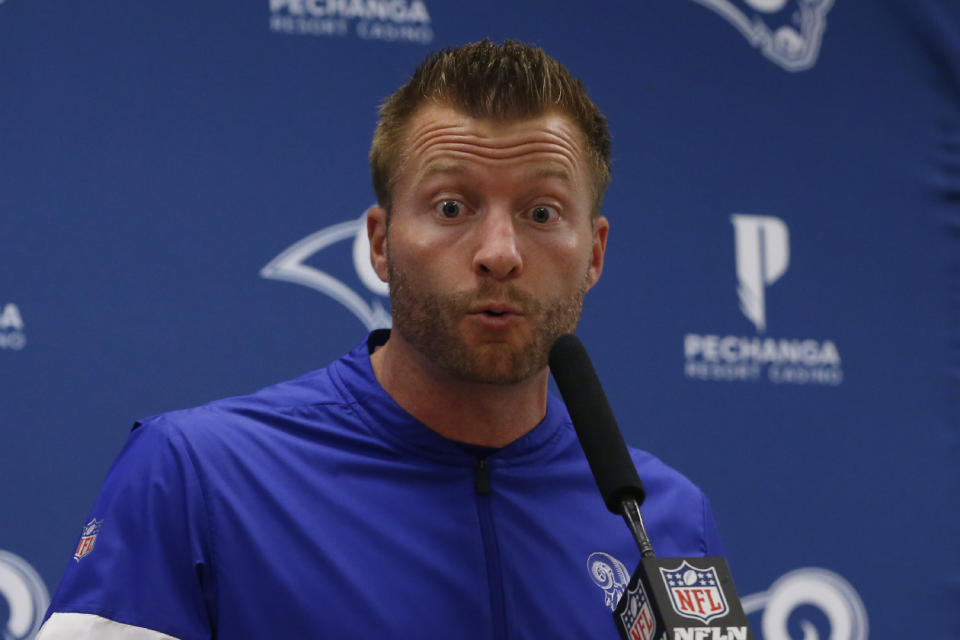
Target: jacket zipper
482 478
491 550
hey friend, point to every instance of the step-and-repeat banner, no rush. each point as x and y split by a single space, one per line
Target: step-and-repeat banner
182 192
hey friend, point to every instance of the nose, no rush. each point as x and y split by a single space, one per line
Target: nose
498 255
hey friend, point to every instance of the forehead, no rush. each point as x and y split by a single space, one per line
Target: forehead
440 138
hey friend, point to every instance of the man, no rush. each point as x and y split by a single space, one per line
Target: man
425 485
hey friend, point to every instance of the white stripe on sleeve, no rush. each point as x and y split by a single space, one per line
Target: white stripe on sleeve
85 626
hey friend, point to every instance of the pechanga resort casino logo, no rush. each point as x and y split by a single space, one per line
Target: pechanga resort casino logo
762 247
788 32
388 20
293 264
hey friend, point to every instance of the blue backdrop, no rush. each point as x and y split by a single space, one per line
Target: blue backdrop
181 186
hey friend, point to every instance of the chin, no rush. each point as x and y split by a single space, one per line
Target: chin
499 364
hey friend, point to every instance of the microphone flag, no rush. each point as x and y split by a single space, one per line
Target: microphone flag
681 599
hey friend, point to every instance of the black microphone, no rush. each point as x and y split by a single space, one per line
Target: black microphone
667 598
599 434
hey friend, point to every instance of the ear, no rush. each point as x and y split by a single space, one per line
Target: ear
601 226
377 235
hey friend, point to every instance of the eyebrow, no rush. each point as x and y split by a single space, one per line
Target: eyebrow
446 167
551 171
442 167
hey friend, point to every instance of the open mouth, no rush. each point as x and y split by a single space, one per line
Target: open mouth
496 315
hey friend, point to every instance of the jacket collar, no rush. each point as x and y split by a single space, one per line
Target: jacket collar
354 375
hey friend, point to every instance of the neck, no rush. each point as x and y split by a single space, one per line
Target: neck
492 415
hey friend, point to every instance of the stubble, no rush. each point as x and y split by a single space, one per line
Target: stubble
432 323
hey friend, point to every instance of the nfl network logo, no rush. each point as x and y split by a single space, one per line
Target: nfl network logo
695 593
637 616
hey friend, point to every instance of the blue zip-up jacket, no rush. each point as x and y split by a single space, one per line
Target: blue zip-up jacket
319 508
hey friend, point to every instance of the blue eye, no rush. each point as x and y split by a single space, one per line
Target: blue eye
449 208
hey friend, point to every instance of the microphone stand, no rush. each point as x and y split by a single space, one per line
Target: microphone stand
631 513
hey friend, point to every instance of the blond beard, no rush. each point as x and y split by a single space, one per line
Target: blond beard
430 322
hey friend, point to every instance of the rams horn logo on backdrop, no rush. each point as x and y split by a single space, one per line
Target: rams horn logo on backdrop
26 596
792 46
290 265
825 590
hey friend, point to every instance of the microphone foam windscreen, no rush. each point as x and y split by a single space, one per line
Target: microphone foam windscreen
594 423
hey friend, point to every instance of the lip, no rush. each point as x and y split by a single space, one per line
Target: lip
495 315
498 308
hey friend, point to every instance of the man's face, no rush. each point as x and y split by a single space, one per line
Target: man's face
490 247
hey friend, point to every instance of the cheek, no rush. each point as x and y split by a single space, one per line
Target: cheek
418 239
422 261
407 241
570 259
412 230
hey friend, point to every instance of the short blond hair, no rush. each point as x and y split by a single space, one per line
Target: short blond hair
485 80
